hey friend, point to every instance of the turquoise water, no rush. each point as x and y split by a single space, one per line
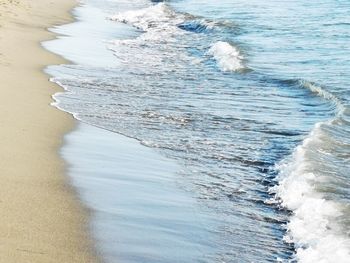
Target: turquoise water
248 99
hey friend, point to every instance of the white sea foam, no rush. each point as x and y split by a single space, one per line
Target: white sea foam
158 23
227 56
159 43
156 16
313 226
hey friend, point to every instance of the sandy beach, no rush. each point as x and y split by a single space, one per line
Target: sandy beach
41 218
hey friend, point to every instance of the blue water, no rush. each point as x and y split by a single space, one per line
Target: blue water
249 99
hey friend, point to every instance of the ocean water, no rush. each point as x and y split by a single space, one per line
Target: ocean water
245 105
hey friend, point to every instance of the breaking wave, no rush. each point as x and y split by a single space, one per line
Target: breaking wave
227 56
305 188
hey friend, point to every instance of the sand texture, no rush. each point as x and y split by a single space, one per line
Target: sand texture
41 219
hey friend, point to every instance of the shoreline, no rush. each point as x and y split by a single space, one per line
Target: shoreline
42 218
132 190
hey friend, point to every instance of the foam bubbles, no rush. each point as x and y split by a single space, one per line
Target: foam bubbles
227 56
159 43
313 226
156 16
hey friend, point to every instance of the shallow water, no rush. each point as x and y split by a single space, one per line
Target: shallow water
248 100
137 206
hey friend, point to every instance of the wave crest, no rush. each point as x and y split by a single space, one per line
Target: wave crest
227 56
324 94
315 226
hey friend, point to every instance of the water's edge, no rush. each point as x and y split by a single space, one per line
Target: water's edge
181 85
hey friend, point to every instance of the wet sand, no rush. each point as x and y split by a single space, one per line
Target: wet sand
41 218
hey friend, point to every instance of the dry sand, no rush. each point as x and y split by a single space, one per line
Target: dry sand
40 217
